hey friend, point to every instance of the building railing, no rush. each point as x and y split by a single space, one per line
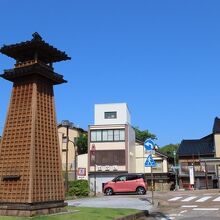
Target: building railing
31 62
199 168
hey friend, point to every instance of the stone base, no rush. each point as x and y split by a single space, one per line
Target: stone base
28 210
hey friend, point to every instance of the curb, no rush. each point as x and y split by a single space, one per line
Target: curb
134 216
164 203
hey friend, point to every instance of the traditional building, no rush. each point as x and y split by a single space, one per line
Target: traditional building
162 177
30 166
72 161
203 155
111 144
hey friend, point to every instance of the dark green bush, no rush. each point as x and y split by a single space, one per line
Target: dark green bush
78 188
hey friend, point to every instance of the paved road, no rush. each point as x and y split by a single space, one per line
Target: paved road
195 205
179 213
115 201
191 205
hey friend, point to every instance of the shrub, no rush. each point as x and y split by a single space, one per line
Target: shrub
78 188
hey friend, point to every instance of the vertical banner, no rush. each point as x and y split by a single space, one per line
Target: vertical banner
191 175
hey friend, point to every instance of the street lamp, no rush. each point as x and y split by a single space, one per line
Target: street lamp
64 140
176 181
67 124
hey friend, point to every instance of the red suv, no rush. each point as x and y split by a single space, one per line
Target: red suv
126 183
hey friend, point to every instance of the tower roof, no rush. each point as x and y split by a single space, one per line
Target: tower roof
28 50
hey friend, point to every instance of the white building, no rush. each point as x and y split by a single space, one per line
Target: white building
111 142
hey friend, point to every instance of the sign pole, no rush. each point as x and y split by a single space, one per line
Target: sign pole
152 185
149 146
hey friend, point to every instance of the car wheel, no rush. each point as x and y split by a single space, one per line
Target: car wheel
140 190
108 192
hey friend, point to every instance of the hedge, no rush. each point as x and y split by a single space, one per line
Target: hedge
78 188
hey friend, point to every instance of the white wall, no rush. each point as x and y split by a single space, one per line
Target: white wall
123 115
217 145
131 150
99 181
82 162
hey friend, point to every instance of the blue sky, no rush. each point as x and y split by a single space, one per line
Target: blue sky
160 57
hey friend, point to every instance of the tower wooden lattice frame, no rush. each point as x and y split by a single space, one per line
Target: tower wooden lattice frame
30 165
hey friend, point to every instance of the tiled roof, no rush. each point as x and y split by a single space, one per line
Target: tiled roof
199 147
216 126
24 51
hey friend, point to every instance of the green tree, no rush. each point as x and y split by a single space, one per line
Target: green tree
143 135
169 149
82 143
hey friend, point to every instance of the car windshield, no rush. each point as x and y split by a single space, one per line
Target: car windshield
114 179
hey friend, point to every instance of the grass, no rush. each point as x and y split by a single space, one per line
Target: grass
83 213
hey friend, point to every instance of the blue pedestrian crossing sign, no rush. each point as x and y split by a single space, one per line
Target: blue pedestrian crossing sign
149 144
150 161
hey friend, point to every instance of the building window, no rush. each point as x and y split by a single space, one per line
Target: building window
122 135
107 135
110 115
109 157
96 135
116 135
93 136
110 135
158 167
99 135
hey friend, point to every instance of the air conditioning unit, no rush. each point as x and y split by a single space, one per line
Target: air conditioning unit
107 168
115 168
99 168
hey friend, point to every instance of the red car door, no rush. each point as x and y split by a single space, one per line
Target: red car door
121 184
131 183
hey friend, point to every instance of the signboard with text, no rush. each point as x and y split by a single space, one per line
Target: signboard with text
191 175
81 171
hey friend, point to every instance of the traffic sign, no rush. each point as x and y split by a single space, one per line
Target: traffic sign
150 161
149 144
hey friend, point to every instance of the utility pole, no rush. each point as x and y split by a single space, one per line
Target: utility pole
176 179
152 185
67 150
75 162
67 124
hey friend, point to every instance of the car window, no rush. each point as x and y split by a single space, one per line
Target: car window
121 178
132 177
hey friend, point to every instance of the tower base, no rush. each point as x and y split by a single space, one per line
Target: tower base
28 210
